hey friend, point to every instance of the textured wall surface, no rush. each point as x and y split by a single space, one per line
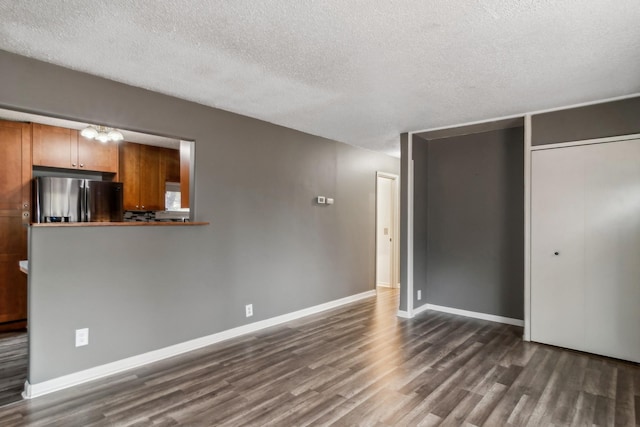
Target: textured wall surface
140 289
356 72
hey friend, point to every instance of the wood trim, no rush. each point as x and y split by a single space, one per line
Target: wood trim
27 168
410 184
395 234
73 136
586 142
531 113
16 325
405 314
527 227
493 125
473 314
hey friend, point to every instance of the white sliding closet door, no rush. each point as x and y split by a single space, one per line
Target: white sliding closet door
612 250
557 227
585 206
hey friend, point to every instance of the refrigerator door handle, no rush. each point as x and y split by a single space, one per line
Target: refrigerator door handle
86 202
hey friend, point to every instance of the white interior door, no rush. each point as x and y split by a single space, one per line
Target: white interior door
384 231
585 205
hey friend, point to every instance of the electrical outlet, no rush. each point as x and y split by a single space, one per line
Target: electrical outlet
248 310
82 337
419 294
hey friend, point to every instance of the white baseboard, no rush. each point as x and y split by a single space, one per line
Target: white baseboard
404 314
384 285
76 378
474 314
420 309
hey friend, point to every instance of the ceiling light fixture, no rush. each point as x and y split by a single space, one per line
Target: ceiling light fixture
102 133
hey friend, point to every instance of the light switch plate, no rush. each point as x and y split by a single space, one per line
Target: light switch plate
321 200
82 337
329 201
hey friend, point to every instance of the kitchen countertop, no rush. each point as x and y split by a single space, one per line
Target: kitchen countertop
24 266
118 224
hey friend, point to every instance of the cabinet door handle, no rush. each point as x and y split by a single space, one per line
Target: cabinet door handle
73 164
81 165
143 207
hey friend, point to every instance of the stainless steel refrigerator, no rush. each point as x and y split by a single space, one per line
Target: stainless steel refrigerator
77 200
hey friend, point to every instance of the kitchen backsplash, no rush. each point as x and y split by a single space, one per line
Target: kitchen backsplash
139 216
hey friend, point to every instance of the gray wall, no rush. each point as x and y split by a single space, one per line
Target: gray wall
464 257
404 200
593 121
468 223
140 289
420 224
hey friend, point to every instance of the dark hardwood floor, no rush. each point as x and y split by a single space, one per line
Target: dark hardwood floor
13 366
357 365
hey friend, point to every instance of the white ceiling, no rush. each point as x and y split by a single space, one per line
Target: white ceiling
360 72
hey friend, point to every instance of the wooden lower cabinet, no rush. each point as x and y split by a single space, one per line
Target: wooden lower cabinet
15 206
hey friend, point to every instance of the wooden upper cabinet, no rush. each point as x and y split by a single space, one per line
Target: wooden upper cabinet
151 179
55 146
171 164
144 170
97 156
63 148
130 175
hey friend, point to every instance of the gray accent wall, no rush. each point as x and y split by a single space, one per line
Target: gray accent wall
420 223
468 203
468 223
269 244
404 204
593 121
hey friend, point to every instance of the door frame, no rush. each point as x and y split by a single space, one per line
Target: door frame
395 229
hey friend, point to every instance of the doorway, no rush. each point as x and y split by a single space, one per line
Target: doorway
387 215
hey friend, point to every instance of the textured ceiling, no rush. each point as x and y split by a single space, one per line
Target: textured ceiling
360 72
